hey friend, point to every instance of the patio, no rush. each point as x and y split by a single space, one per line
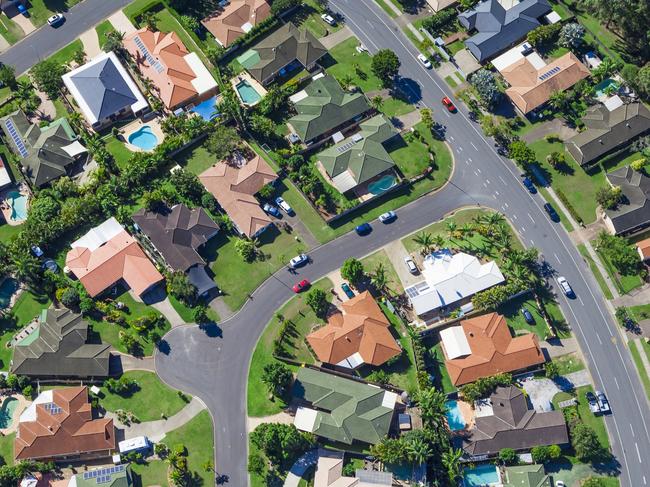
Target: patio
138 128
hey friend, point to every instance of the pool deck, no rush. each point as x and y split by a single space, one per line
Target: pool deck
23 403
5 205
136 125
251 81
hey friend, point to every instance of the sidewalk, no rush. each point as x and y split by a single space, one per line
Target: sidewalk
634 298
644 356
300 467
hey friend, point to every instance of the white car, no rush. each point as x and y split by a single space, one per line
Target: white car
413 269
361 48
55 19
328 18
298 260
424 60
284 206
559 483
387 217
564 285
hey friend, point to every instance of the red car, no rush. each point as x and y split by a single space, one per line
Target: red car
448 103
301 286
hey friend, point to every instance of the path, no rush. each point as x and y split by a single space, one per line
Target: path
644 356
300 467
555 126
90 41
284 418
4 45
169 312
336 38
634 298
129 362
46 109
405 122
221 308
25 23
121 22
396 253
156 430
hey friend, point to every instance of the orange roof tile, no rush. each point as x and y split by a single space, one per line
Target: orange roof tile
644 248
493 350
361 328
228 24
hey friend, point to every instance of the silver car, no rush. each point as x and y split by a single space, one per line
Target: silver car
413 269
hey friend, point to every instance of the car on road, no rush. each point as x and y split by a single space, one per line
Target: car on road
593 402
527 316
55 20
301 286
529 185
449 104
502 151
346 289
284 206
328 18
298 261
413 269
603 403
424 60
387 217
363 229
566 288
272 210
551 212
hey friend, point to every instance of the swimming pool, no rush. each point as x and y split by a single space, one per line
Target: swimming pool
144 138
7 412
247 93
382 185
18 203
601 87
486 474
207 109
7 289
454 416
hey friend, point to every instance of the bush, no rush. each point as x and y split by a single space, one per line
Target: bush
609 197
245 248
438 22
484 386
567 204
352 270
551 370
486 87
280 6
540 454
585 443
544 34
385 65
317 301
507 456
70 297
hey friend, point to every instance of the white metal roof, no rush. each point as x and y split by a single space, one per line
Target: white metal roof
613 102
455 342
74 149
352 362
553 17
515 54
5 179
301 95
389 400
305 419
99 235
29 414
204 81
131 444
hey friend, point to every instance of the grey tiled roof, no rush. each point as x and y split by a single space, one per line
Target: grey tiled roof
634 211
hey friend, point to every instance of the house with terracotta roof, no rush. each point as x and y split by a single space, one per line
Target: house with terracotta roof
360 334
236 19
59 426
483 346
108 255
178 75
532 84
234 183
643 248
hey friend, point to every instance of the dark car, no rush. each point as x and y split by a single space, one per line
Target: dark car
527 316
346 289
272 210
301 286
551 212
363 229
593 402
529 185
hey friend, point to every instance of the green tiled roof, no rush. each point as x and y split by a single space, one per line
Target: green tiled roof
326 107
527 476
347 410
361 157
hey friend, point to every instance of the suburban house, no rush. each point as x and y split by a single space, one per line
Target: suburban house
283 50
359 335
527 476
325 108
633 213
59 347
361 158
115 476
236 19
506 421
178 76
10 7
59 426
176 235
329 473
104 91
46 153
608 128
532 83
450 281
234 183
438 5
108 255
500 25
483 346
5 177
341 409
643 248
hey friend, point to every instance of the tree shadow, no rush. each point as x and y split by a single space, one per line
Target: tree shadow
407 90
212 330
164 347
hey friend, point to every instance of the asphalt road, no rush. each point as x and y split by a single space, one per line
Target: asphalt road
47 40
213 363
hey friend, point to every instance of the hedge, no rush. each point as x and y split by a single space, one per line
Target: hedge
569 206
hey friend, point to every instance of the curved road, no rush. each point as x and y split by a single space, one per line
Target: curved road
213 364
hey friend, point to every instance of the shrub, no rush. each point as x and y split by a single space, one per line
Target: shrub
438 22
317 301
551 370
540 454
245 248
609 197
484 386
544 34
507 456
486 86
567 204
70 297
353 271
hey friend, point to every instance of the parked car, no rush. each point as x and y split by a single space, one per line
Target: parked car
529 185
272 210
55 20
363 229
551 212
413 269
527 316
346 289
449 104
603 403
593 402
22 9
424 60
559 483
387 217
502 151
301 286
361 48
284 205
298 261
37 251
328 18
566 288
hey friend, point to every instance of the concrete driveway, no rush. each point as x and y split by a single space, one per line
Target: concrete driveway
396 253
542 391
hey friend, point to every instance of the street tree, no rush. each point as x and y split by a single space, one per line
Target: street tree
352 270
385 65
316 299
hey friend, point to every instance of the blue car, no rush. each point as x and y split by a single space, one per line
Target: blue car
346 289
529 185
527 316
272 210
363 229
551 212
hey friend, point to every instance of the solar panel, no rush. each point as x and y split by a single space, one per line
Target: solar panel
20 145
550 73
147 55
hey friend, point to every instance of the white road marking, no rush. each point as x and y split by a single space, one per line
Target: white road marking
599 340
487 180
514 217
478 169
467 162
532 242
496 193
469 159
638 454
451 137
502 180
580 299
475 148
644 482
476 173
506 205
632 430
531 218
485 185
558 259
523 228
447 113
460 149
616 382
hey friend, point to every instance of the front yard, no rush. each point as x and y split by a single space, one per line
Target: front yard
370 264
512 311
412 155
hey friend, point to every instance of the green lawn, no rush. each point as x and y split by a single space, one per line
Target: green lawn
595 271
195 159
641 312
7 448
455 46
308 17
8 231
65 55
102 30
303 319
149 402
451 81
412 156
119 151
634 346
625 284
586 416
436 366
384 5
10 30
569 363
136 6
512 311
371 262
182 309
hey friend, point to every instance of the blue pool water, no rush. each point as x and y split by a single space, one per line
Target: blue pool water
7 412
454 416
7 289
207 109
603 85
382 185
18 204
247 93
485 474
144 138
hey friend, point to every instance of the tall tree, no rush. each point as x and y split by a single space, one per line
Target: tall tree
385 65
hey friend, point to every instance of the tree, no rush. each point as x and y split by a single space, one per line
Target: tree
507 456
639 164
556 159
432 406
47 76
438 22
190 23
486 86
179 286
389 450
544 34
256 463
385 65
346 81
540 454
425 240
426 114
79 56
222 142
521 153
317 301
8 76
122 386
200 314
551 370
352 270
379 278
188 185
245 248
643 80
114 41
70 297
377 102
277 377
280 6
585 443
558 100
609 197
262 126
451 462
572 35
418 451
266 192
281 443
149 20
619 252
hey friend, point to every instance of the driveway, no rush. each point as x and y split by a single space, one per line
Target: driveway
90 42
25 23
396 253
121 22
542 391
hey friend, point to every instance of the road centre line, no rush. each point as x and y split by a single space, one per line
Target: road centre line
598 336
558 259
632 430
637 451
532 219
616 382
475 148
580 299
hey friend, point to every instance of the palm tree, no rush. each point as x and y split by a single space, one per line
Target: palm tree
558 100
346 81
379 278
432 406
467 230
26 267
418 451
425 241
451 461
438 242
377 102
452 229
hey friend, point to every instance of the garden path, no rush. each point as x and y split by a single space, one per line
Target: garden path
282 417
300 467
336 38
